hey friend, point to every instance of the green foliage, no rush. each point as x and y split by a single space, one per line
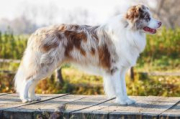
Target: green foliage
166 43
154 85
162 50
11 46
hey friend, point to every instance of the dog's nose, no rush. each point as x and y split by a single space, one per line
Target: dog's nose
160 23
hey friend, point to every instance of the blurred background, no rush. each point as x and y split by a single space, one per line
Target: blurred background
157 71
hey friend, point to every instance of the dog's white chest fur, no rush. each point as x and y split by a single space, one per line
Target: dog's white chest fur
129 44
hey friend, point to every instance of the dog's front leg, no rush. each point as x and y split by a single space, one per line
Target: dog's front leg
120 88
109 86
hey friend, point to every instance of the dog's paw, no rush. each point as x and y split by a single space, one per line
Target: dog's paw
26 100
120 102
126 101
34 98
130 101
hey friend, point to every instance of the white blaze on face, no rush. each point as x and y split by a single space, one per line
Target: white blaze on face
153 23
152 26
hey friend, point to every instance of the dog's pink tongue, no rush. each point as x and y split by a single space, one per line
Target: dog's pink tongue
149 30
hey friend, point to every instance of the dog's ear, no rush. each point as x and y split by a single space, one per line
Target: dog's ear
134 12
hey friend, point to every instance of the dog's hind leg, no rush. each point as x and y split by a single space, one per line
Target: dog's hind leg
27 92
24 90
31 92
28 76
27 85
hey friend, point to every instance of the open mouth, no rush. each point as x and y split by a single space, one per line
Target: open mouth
150 30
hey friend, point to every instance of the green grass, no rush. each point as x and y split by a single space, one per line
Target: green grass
77 82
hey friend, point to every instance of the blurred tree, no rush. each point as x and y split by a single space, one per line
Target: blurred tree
59 77
168 11
41 15
78 16
19 25
22 25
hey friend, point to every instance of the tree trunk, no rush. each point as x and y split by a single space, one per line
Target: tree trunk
132 73
161 4
59 76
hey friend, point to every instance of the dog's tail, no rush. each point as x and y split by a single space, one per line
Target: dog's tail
23 72
19 78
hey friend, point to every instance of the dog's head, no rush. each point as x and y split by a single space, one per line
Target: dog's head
140 18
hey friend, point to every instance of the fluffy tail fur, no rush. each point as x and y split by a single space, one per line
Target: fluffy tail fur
19 78
25 70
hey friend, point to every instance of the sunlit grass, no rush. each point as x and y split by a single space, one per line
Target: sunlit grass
77 82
